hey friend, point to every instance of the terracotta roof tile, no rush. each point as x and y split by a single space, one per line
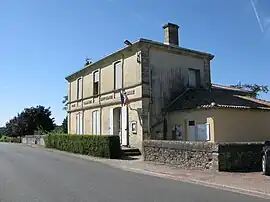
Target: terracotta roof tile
214 85
216 98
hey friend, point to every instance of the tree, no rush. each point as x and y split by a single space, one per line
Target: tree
65 125
254 88
2 131
65 102
30 120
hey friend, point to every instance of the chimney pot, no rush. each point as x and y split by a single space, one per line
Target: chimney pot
171 34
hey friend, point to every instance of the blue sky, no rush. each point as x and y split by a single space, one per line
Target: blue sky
41 42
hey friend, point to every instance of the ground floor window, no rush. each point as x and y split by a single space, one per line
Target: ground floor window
198 132
79 123
96 122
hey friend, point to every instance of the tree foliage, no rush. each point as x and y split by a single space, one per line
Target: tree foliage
65 102
254 88
2 131
65 125
30 120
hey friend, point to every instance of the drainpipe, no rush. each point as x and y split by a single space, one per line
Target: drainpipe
82 109
68 108
127 119
150 88
122 76
101 108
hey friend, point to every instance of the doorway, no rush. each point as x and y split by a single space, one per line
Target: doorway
191 131
118 124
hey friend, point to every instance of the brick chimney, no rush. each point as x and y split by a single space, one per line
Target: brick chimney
171 34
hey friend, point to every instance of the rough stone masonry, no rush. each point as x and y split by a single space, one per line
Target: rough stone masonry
204 155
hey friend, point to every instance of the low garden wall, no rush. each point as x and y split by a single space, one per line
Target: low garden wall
33 139
240 156
204 155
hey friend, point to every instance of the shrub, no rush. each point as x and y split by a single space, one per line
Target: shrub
5 139
92 145
10 139
16 140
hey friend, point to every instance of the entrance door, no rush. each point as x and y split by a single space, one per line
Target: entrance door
124 126
115 122
191 131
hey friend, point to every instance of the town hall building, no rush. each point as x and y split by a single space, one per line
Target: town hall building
158 90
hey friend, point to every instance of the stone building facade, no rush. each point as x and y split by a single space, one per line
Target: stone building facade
152 74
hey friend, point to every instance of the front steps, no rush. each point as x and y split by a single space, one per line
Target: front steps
130 151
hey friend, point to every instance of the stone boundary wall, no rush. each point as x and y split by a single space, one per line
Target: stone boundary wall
223 156
182 154
240 156
33 139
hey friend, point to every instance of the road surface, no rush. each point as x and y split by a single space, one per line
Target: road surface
29 174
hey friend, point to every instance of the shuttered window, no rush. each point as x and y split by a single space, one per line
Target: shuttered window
79 124
118 75
96 83
194 78
96 122
79 88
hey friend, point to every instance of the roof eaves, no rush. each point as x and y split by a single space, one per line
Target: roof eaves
105 57
232 106
257 100
138 41
230 88
177 47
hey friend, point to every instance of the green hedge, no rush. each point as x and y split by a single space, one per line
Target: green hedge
5 139
10 139
92 145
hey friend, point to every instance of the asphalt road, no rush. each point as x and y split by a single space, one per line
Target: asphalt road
30 174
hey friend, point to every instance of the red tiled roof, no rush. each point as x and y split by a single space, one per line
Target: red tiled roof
217 98
214 85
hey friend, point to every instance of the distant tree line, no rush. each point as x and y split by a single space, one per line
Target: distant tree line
29 121
34 120
255 89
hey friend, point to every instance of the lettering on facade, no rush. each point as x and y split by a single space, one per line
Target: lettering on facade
73 105
130 92
109 97
88 102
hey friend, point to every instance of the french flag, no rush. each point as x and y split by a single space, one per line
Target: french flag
124 98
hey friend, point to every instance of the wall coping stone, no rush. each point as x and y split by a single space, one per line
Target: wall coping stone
239 143
183 145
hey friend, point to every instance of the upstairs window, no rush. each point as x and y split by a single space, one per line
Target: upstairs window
79 88
117 75
96 83
194 78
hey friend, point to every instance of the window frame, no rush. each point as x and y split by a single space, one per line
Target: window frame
96 122
79 123
116 87
94 83
197 73
79 88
